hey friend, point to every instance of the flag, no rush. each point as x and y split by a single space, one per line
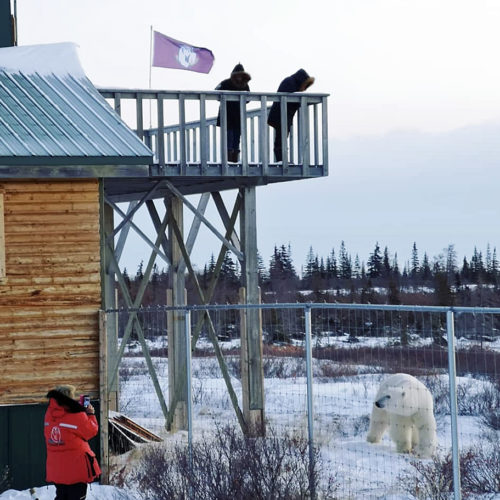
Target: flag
170 53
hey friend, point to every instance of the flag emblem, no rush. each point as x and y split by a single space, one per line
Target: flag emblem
171 53
187 56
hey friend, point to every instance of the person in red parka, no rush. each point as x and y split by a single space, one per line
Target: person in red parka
68 425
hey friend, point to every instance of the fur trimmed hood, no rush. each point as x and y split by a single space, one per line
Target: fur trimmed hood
61 399
239 76
303 80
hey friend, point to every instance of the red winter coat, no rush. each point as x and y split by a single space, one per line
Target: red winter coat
67 428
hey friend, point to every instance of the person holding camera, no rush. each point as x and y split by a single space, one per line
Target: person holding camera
68 425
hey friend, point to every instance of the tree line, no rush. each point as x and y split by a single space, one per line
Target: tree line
340 277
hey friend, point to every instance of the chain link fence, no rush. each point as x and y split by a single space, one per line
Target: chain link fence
323 365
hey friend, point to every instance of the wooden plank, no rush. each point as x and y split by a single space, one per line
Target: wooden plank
58 226
58 247
55 237
34 198
73 220
2 240
53 259
51 208
35 186
48 309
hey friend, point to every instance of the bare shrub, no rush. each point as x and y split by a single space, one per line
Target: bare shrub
482 472
360 425
230 466
433 480
416 360
440 391
490 407
283 367
471 399
335 370
429 480
4 479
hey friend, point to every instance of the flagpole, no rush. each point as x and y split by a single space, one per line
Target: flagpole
150 67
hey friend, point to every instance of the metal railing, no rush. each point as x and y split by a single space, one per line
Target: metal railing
322 365
186 141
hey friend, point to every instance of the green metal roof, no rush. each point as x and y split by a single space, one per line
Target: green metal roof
52 115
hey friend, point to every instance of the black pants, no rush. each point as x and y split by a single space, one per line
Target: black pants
76 491
278 154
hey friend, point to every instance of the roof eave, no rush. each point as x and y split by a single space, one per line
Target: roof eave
73 171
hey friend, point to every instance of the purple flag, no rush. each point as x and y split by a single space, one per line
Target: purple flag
170 53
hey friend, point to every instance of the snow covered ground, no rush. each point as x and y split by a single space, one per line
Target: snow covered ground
95 492
342 405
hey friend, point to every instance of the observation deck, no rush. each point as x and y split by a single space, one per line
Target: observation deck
190 150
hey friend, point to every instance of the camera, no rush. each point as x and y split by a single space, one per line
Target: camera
85 400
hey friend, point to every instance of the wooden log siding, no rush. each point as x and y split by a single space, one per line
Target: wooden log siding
49 303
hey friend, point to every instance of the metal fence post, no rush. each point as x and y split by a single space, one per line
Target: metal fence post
312 482
189 399
450 328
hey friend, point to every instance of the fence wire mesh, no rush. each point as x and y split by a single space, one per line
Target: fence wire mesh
354 350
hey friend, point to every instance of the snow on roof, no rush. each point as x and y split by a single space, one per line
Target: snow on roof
58 59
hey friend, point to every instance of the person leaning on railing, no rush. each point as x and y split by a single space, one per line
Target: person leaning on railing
298 82
237 81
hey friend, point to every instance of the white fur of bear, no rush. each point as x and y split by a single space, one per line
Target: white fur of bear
405 406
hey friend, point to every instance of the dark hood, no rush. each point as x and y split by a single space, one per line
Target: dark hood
239 76
63 400
302 79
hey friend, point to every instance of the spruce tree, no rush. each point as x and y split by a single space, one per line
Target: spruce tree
451 260
425 270
261 270
386 264
345 265
494 266
331 266
357 268
414 261
375 263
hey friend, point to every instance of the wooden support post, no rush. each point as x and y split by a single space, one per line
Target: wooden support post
252 379
103 397
176 296
108 298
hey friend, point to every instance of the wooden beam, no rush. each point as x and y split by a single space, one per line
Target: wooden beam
219 203
155 218
229 245
254 384
103 398
211 333
176 335
129 222
195 227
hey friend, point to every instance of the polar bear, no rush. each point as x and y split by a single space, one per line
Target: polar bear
405 405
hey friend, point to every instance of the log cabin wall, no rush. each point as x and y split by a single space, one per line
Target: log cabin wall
51 294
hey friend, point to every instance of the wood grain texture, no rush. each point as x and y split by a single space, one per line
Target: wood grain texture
49 301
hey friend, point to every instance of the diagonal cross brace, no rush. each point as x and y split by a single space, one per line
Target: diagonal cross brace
134 319
212 334
197 213
154 246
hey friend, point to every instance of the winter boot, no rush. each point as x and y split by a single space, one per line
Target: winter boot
232 155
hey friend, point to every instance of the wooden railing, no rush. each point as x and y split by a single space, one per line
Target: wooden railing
185 141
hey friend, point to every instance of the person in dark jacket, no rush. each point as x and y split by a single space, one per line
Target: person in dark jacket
298 82
237 81
68 425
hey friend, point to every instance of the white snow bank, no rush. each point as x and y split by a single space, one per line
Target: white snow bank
59 59
94 492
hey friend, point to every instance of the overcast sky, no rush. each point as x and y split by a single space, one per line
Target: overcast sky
414 112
